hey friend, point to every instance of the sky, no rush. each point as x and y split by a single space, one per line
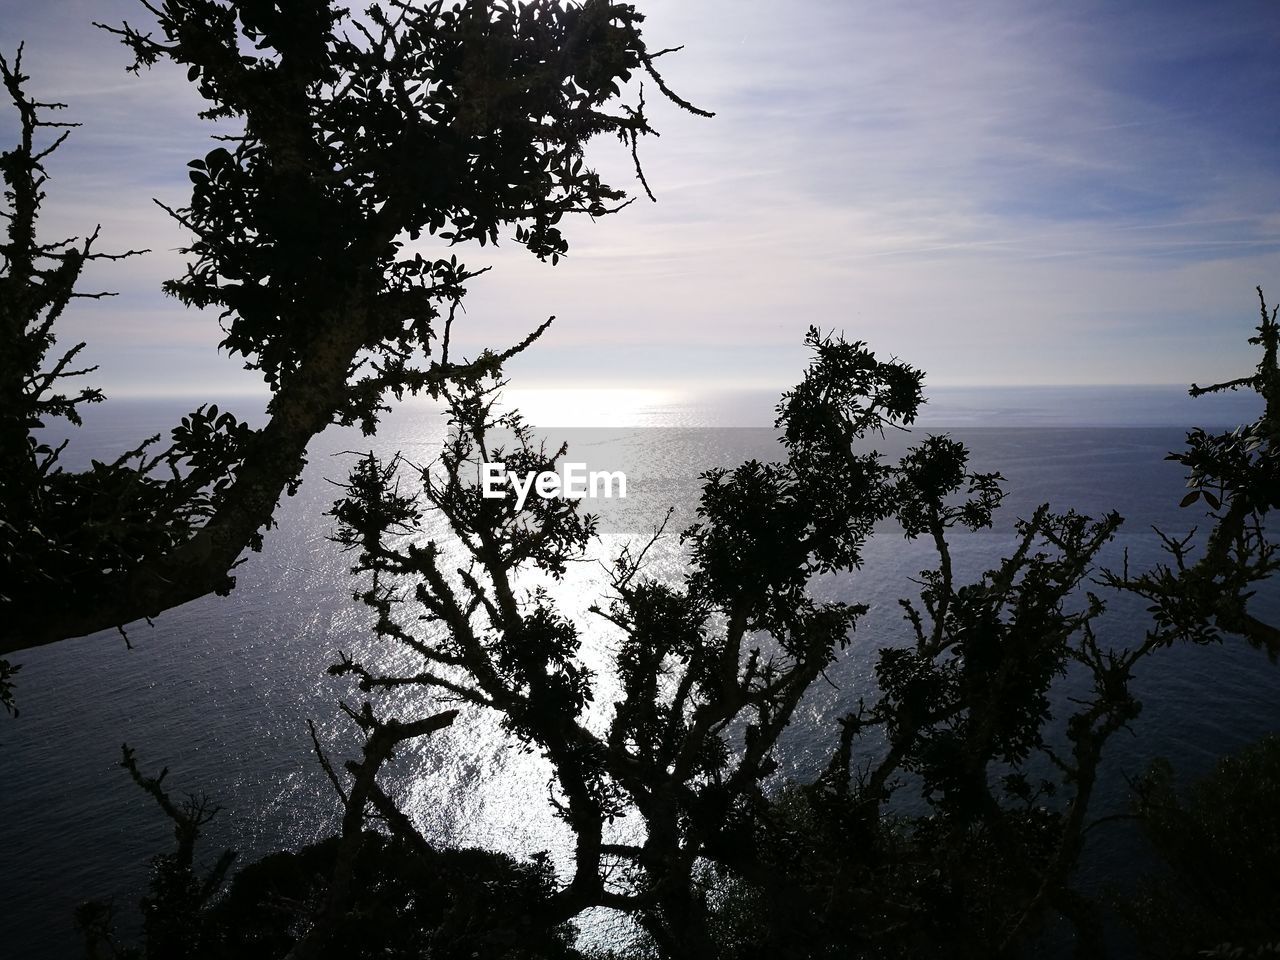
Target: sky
1002 192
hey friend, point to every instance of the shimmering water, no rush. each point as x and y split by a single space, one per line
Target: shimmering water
221 689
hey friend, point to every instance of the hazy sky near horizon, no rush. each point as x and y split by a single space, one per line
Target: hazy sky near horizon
1002 192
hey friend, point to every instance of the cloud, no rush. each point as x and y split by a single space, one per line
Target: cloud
1002 192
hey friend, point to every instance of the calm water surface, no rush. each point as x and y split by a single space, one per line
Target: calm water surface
220 690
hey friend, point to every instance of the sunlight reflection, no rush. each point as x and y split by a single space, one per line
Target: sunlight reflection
583 407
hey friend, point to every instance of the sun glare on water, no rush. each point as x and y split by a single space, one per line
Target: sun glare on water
590 407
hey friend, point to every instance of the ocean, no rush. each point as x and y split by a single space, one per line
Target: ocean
219 691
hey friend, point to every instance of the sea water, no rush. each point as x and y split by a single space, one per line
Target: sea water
219 691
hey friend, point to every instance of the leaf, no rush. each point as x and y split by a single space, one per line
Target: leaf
1190 498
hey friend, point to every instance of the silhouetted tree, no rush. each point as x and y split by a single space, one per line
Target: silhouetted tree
712 668
1220 843
733 647
359 135
1206 589
713 665
175 907
964 717
359 894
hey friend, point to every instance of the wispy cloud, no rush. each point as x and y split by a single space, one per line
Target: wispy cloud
1003 192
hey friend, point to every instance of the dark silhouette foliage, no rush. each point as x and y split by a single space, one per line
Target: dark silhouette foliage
408 902
357 136
711 666
465 122
1205 591
175 908
1219 894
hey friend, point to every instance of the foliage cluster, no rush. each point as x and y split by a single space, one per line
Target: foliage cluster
358 135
